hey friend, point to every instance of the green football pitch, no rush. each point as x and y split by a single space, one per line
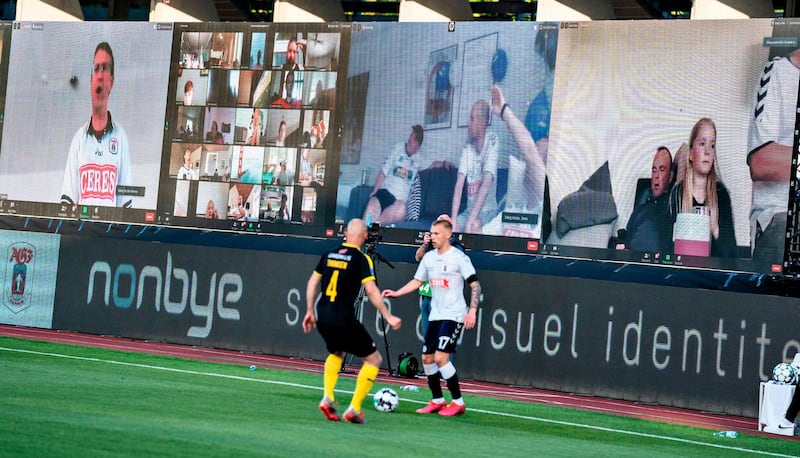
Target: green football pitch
60 400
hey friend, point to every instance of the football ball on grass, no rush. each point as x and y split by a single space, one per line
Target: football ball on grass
386 400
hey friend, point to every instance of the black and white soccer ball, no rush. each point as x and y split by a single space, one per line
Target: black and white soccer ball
784 374
386 400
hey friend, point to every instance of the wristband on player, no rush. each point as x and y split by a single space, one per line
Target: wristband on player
502 111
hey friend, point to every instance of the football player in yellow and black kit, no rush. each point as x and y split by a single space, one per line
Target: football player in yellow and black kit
341 273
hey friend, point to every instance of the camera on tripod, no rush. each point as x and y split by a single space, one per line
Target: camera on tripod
374 237
407 364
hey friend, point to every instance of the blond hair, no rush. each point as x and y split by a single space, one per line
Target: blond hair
686 178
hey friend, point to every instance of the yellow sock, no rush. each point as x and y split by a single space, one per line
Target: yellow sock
333 364
366 377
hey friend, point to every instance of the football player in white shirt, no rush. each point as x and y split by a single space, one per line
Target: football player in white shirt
387 202
99 155
477 173
446 268
770 157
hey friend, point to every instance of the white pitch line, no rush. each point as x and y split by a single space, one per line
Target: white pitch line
488 412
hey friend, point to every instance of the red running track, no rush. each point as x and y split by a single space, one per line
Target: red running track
555 398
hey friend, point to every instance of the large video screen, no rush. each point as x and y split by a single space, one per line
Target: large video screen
650 141
252 118
660 132
659 142
84 119
448 119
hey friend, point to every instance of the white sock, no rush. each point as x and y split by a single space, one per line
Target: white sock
430 369
448 370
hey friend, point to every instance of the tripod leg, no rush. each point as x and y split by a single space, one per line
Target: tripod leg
386 347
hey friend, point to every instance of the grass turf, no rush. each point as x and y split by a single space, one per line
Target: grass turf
62 400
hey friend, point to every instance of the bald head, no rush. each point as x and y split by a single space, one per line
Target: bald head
356 232
481 108
478 120
661 172
356 226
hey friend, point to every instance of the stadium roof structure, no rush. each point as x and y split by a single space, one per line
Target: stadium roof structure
388 10
498 10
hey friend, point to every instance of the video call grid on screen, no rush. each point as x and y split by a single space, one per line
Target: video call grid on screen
54 93
226 93
649 83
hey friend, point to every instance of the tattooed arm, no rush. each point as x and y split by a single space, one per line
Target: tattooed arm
474 300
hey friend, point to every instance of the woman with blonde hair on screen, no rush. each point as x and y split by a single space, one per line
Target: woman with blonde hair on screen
699 191
211 210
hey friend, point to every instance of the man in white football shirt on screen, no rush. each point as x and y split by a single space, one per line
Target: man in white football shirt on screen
99 155
770 157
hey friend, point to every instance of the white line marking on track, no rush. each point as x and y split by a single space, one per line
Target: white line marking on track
487 412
